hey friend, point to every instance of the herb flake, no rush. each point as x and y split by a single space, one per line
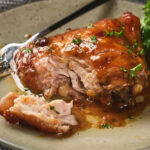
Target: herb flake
53 108
49 48
106 33
133 70
93 38
129 51
26 89
141 52
136 45
123 69
107 126
90 26
28 50
119 34
114 33
130 117
77 40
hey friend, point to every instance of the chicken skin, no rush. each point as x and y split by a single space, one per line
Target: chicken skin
103 61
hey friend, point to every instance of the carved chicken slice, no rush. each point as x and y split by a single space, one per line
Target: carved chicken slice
50 117
104 61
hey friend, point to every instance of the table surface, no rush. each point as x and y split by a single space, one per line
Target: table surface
9 4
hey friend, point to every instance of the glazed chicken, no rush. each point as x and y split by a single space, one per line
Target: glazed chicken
103 61
52 117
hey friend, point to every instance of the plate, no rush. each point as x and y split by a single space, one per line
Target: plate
34 17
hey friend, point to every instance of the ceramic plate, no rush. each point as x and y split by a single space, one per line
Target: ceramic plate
34 17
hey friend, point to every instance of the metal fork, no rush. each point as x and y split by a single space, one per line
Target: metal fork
8 51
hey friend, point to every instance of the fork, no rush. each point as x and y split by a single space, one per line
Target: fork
8 51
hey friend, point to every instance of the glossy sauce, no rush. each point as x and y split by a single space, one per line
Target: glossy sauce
84 110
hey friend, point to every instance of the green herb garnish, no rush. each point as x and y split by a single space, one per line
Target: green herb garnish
93 38
114 33
49 48
123 69
106 126
141 52
129 51
122 23
130 117
145 27
119 34
53 108
106 33
133 70
136 45
28 50
26 89
77 40
90 26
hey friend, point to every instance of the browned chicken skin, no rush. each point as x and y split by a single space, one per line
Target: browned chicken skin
104 61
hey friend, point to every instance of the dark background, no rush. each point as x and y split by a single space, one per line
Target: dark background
8 4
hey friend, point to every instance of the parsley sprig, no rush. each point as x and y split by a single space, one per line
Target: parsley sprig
130 117
145 27
90 26
28 50
93 38
123 69
49 48
141 52
53 108
77 40
133 70
114 33
107 126
26 89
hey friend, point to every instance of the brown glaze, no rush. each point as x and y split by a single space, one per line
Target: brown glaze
105 115
106 56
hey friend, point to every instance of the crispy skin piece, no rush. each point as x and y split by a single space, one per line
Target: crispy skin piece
53 117
88 61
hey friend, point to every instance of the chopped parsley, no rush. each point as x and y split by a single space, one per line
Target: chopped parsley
49 48
90 26
133 70
127 46
26 89
28 50
136 45
141 52
119 34
107 33
93 38
122 23
77 40
53 108
106 126
129 51
123 69
114 33
130 117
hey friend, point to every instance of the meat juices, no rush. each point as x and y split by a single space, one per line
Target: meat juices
102 62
